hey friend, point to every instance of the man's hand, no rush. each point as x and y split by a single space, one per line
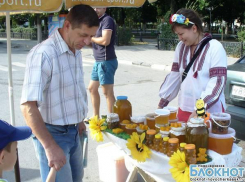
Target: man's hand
56 157
81 127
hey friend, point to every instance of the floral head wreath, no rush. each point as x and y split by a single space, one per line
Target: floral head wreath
181 19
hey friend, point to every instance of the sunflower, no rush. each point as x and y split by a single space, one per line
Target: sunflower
96 126
180 170
139 151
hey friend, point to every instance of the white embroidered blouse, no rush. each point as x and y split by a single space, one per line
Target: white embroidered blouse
206 78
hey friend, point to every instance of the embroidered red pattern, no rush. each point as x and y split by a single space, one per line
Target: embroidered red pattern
217 71
175 67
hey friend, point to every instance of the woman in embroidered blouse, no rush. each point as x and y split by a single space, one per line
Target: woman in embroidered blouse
207 76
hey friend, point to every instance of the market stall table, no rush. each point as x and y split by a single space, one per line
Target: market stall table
157 166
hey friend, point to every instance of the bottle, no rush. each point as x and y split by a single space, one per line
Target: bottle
182 147
190 154
150 137
157 142
123 108
197 133
164 147
173 145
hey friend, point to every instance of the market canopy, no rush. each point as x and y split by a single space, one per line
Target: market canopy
55 5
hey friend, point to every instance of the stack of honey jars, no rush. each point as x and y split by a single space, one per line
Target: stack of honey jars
221 136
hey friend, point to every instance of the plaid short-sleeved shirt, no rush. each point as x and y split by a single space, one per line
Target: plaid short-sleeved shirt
54 78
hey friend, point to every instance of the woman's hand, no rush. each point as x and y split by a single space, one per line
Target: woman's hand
193 114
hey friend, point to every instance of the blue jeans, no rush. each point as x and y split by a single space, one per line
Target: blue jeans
67 137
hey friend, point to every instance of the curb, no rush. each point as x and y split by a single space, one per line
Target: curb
161 67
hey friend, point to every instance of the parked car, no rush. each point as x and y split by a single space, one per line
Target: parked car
235 96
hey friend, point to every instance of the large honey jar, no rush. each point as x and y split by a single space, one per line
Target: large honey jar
197 133
123 108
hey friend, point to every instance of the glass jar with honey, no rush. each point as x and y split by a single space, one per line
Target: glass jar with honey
130 128
150 135
123 124
150 120
141 128
123 108
162 116
197 133
182 147
173 112
220 122
190 154
157 142
173 145
177 131
164 146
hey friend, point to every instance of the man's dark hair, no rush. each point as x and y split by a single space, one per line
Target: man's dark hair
82 14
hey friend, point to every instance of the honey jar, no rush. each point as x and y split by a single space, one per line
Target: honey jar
162 116
173 145
150 120
197 133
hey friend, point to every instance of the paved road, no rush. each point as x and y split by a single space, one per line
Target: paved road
139 83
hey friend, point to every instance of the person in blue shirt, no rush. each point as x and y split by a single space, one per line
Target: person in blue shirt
9 135
106 62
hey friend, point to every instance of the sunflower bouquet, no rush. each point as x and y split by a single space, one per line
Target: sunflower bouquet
96 126
180 170
139 150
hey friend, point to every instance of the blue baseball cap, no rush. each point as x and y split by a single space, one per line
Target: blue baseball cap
9 133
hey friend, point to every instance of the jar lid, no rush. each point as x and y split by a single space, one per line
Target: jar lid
182 145
197 120
190 146
165 139
151 132
122 97
164 132
158 136
151 116
174 121
162 112
138 119
172 109
112 117
173 140
221 116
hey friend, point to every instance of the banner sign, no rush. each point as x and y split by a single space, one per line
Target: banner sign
106 3
31 5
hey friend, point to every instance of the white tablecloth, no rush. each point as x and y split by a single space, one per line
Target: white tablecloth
157 166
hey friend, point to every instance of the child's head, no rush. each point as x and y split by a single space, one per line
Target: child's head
9 135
